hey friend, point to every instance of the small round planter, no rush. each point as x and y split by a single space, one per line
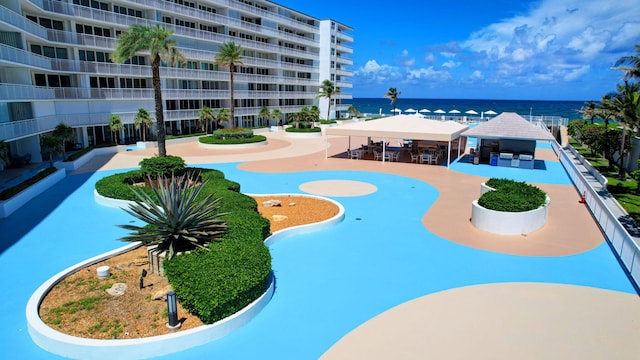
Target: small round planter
508 223
233 146
304 135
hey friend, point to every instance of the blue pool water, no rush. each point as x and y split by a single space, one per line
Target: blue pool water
327 283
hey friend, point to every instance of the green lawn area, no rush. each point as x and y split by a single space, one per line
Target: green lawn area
624 191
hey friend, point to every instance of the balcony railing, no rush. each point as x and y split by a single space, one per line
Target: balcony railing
14 19
19 56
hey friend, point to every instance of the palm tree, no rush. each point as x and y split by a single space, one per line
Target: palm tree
64 133
115 125
178 220
264 113
206 115
353 111
630 64
50 145
392 94
606 110
328 90
589 111
222 116
627 105
314 114
229 54
154 39
142 120
277 114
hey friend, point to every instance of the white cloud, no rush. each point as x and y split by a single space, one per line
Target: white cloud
374 72
450 64
559 40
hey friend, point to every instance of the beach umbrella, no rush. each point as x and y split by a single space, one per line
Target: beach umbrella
396 110
454 111
471 112
411 110
425 111
490 112
439 111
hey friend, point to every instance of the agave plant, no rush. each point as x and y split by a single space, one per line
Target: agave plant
177 221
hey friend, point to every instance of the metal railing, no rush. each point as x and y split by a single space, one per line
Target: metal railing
620 240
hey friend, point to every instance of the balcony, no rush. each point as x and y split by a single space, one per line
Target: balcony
10 54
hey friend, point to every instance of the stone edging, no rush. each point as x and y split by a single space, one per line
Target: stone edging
233 146
304 135
81 348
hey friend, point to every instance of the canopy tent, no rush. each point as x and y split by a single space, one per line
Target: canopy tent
403 127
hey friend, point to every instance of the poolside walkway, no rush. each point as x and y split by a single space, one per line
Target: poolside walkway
556 293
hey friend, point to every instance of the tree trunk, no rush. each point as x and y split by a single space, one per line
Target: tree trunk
231 107
329 110
621 173
157 95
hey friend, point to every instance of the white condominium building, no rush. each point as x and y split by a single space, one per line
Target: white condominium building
55 66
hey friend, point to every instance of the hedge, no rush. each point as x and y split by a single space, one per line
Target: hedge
15 190
234 272
301 130
231 141
512 196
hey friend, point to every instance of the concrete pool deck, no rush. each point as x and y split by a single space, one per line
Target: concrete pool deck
556 318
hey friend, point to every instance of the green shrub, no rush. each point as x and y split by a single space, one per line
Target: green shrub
14 190
169 137
217 283
232 141
302 130
327 122
76 155
235 133
162 166
512 196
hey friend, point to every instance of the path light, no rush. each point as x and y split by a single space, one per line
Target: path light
172 307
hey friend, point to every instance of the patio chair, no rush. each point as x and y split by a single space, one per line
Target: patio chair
427 158
377 155
355 154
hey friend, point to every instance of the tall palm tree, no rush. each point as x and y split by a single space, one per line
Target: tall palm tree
222 116
264 113
277 114
142 120
589 111
630 64
229 54
50 145
606 110
64 133
328 90
314 114
392 94
353 111
627 105
154 39
115 125
206 115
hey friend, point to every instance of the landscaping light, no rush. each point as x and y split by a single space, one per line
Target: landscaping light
172 307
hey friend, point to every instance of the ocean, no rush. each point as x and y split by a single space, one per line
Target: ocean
565 109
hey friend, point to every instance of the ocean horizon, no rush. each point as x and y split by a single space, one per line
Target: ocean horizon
565 109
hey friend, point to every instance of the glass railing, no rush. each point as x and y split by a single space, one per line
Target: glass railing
19 56
12 18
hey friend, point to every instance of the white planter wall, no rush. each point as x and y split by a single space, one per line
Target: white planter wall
507 223
7 207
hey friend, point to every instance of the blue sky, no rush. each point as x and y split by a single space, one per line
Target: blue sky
496 49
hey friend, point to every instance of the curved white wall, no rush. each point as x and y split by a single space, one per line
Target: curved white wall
509 223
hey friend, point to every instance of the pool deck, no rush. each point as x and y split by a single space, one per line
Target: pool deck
570 299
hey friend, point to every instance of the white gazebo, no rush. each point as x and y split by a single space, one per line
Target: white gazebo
402 127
